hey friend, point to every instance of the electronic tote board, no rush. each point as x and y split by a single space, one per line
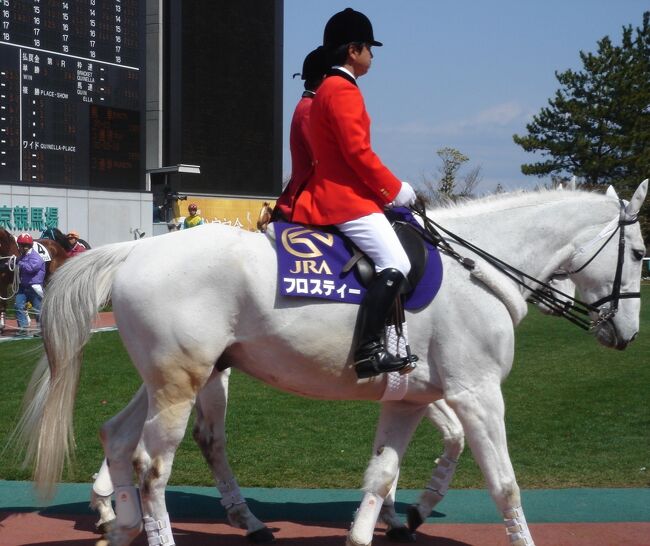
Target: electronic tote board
70 92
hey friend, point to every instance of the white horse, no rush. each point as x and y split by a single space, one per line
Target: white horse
210 435
465 339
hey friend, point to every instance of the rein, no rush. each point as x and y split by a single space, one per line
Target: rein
15 283
576 311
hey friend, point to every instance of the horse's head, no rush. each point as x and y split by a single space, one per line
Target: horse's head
8 246
264 217
606 269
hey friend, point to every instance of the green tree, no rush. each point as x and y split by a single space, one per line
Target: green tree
597 126
449 184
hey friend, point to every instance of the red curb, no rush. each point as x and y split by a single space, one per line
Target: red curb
34 529
103 320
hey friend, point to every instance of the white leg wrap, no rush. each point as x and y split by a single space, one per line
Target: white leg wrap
103 485
366 519
230 493
442 475
517 528
159 532
127 506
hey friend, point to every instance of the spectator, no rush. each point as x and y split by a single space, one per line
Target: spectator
31 268
75 246
193 219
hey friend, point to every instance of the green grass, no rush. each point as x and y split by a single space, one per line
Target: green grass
578 415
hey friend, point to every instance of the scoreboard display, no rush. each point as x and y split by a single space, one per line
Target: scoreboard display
71 92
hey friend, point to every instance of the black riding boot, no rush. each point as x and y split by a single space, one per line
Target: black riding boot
370 356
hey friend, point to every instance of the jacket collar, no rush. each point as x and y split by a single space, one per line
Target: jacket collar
343 74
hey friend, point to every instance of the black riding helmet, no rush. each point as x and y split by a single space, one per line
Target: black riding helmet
346 27
316 64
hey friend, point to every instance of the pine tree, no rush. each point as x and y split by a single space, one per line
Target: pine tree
597 127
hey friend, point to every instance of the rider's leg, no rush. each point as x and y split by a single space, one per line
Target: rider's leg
374 235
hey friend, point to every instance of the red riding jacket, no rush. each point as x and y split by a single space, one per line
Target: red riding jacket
301 156
349 180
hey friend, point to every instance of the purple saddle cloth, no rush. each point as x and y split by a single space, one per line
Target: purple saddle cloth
311 263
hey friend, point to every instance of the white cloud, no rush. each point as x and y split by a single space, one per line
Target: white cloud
495 117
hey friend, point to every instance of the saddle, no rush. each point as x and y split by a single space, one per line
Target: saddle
414 247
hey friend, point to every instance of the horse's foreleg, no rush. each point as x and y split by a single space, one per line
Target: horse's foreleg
120 436
481 413
397 423
210 434
396 529
453 436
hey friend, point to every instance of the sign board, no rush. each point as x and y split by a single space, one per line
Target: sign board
70 92
238 212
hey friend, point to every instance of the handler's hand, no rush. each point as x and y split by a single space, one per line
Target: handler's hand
405 197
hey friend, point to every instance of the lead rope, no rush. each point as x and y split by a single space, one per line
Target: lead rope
12 266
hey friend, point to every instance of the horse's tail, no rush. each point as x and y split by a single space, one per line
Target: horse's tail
73 297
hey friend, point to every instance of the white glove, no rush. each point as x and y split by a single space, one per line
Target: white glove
405 197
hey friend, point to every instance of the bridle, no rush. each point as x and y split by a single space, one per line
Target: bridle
569 307
616 294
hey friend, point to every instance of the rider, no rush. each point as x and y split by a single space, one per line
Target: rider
350 186
31 268
314 68
75 246
193 219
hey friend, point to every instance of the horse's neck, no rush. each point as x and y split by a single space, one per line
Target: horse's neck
531 235
8 244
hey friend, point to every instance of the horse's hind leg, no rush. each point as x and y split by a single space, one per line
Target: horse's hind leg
397 422
481 411
453 436
210 434
120 436
172 388
100 500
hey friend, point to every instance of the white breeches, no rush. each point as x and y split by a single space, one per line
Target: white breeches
374 235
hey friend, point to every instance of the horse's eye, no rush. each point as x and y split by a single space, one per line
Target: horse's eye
638 254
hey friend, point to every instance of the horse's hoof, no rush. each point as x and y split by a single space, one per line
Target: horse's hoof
413 517
350 542
105 527
261 536
400 534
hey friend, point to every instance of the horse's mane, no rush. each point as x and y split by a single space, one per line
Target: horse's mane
504 201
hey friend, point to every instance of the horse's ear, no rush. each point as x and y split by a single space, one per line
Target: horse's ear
633 207
611 192
572 185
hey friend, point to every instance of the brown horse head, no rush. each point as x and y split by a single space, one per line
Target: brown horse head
8 255
264 217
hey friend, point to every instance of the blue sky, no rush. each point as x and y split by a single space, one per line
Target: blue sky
466 73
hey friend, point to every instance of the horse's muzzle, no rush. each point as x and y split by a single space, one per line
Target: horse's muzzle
608 336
